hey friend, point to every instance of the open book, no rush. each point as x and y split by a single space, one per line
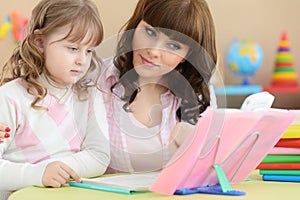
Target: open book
234 141
126 183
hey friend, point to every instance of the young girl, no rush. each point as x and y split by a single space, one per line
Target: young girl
48 103
159 77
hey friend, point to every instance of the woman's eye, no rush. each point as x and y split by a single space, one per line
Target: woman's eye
89 51
174 46
150 32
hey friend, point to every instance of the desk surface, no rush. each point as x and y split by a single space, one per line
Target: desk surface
256 189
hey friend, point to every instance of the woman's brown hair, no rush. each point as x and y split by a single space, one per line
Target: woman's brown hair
191 18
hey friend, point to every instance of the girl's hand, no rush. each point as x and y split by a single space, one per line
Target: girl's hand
57 174
4 132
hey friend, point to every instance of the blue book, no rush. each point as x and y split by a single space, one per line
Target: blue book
281 178
99 187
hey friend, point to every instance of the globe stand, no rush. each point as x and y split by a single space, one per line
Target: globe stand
245 81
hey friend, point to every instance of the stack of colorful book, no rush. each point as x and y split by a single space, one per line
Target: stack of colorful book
283 162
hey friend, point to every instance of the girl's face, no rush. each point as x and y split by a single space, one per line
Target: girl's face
66 61
154 53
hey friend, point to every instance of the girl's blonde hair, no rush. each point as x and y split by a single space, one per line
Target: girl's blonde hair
28 62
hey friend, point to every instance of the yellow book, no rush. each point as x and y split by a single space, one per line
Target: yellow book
292 132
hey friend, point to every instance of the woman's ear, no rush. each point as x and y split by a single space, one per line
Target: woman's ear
39 39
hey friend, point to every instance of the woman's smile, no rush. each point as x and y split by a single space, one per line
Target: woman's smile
147 62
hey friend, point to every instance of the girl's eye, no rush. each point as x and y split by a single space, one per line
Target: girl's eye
72 48
150 32
174 46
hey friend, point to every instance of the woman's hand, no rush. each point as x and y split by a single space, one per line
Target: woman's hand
57 174
4 132
179 133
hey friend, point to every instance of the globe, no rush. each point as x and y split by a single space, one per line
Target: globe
244 58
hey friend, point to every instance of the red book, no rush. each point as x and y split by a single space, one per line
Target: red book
278 166
289 142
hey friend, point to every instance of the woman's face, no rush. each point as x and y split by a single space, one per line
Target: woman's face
154 53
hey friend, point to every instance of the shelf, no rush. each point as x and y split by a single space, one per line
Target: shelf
272 89
238 89
251 89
